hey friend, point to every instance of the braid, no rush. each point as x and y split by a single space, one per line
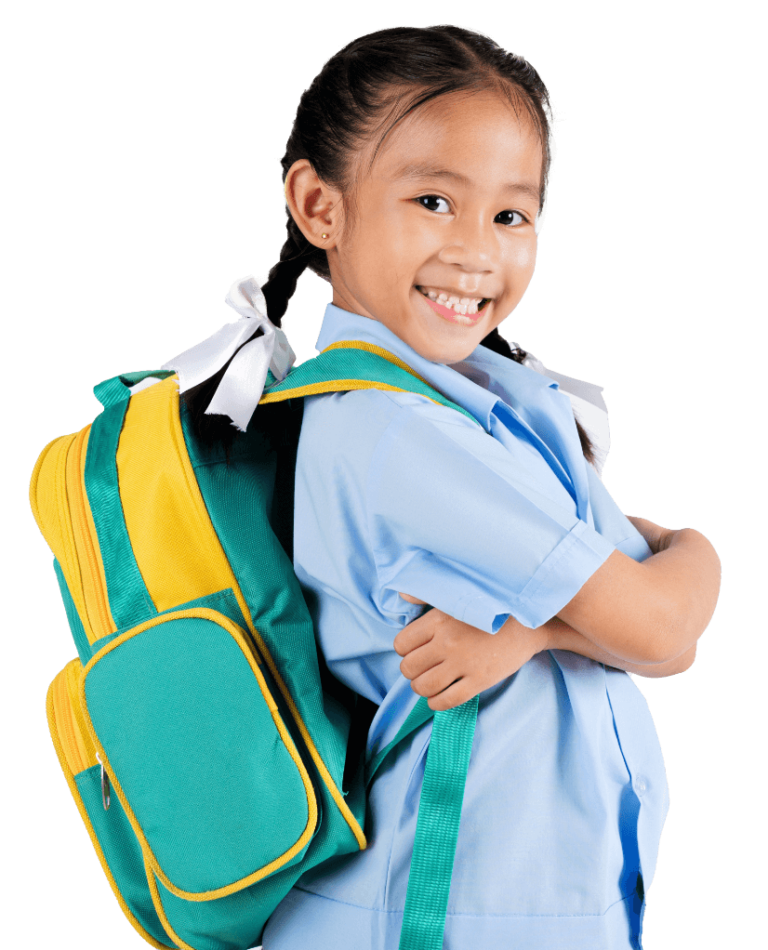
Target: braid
295 256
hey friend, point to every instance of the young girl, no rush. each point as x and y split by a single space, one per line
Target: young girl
414 176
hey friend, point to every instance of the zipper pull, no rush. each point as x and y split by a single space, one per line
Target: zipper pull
104 784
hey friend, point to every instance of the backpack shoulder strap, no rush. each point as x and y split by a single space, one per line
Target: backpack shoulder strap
354 364
117 389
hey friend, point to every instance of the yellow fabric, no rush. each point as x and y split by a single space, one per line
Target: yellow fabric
60 506
173 540
75 742
94 583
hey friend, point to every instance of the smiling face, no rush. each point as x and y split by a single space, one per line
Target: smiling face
442 245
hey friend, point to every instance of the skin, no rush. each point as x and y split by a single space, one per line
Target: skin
449 662
473 238
450 204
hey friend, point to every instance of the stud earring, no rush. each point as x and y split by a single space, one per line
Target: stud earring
324 235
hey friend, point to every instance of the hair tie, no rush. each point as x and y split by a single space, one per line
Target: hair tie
242 385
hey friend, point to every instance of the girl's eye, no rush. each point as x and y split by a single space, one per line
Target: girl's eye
423 198
434 203
510 218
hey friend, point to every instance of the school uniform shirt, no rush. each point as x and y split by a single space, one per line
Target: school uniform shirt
566 792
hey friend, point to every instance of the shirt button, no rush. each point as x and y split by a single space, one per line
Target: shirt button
640 785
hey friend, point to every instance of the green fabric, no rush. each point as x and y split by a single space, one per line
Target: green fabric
75 624
238 496
129 599
111 391
437 827
200 784
360 364
121 851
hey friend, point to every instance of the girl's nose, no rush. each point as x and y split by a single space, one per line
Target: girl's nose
472 246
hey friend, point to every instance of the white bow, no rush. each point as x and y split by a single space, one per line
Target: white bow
240 389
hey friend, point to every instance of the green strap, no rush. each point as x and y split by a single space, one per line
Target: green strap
437 827
111 391
351 363
128 596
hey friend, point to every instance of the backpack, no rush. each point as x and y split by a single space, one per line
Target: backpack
212 757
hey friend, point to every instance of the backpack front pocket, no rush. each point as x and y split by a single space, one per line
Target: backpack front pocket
194 746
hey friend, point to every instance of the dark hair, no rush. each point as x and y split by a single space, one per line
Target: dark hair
367 88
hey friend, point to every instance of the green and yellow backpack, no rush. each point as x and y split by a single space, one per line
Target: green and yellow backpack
211 755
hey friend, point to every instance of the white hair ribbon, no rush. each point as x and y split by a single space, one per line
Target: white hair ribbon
242 385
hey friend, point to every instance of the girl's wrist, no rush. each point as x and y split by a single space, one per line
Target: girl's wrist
553 635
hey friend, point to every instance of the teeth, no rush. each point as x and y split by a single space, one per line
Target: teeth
462 305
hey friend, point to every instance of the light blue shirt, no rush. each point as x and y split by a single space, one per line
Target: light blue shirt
485 519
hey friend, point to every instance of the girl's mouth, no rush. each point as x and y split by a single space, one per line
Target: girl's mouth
464 310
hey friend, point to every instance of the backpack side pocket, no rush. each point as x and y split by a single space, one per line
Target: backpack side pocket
182 718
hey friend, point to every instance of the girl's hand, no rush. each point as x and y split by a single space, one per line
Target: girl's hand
449 662
656 537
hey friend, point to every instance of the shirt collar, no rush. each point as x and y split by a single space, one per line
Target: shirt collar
476 384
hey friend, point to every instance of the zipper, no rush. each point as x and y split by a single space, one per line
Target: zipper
93 586
105 799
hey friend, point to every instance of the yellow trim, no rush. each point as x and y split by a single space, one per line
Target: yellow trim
333 386
209 542
69 775
239 635
378 350
160 910
74 671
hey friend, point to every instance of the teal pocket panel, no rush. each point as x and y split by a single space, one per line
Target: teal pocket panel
121 851
202 766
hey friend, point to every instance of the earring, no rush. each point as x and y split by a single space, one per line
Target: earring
323 235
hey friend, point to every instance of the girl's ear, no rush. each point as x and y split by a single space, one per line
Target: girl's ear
316 208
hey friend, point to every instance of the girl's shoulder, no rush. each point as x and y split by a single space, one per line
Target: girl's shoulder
356 422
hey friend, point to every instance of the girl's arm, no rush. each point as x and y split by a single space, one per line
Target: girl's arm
641 617
449 662
563 637
652 611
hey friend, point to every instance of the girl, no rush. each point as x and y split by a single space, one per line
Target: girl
414 177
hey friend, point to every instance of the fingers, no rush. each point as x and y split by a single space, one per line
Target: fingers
457 693
420 661
416 634
411 599
435 680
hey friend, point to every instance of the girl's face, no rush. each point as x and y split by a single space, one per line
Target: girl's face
442 244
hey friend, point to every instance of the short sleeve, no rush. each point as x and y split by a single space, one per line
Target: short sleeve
476 530
612 523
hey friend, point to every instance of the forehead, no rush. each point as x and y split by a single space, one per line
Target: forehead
411 144
463 137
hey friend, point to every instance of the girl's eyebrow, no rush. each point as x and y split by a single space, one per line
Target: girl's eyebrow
418 172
